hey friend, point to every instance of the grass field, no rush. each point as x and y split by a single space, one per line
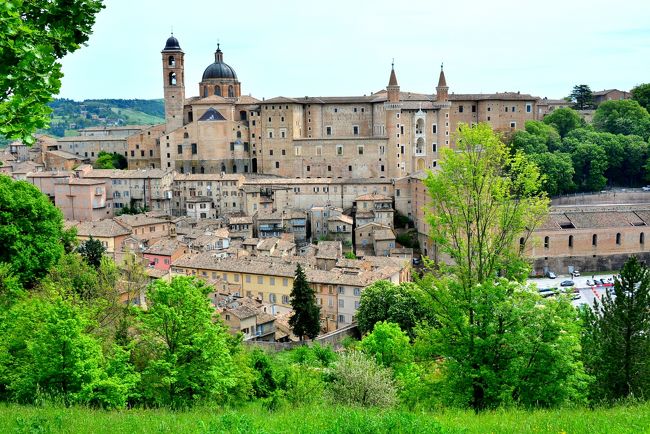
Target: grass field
134 117
321 419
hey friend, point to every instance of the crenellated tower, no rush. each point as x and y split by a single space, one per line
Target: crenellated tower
173 83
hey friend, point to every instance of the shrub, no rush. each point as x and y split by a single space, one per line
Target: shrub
358 380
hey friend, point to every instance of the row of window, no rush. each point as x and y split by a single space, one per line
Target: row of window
594 240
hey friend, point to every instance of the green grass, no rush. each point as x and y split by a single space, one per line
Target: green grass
254 418
134 117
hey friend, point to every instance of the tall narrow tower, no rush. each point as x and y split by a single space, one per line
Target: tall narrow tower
394 146
173 83
442 90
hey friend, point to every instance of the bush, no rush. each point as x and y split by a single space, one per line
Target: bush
357 380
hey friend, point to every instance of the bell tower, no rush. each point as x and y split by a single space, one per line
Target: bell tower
173 83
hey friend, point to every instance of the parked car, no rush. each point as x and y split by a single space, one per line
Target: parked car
567 283
551 275
576 273
646 188
547 292
575 296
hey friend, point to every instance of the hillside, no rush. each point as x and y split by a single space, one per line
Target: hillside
69 116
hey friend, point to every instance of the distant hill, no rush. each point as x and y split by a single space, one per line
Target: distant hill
69 116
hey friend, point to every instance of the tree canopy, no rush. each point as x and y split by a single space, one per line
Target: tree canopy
305 320
582 97
622 117
35 35
564 120
31 230
641 94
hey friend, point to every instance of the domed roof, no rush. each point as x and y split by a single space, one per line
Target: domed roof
219 69
172 44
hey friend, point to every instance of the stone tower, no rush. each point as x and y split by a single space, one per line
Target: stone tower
393 108
442 90
173 83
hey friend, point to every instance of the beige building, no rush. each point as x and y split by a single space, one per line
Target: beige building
82 199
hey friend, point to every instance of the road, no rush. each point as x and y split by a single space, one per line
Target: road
587 293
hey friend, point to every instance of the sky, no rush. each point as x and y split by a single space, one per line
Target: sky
302 48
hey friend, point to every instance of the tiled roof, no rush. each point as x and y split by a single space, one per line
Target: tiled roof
138 220
504 96
165 247
101 228
383 234
126 174
374 196
341 218
329 250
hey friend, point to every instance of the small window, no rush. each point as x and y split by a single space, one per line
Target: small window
194 148
277 164
355 130
641 238
529 108
594 240
360 149
328 131
434 128
473 108
546 242
179 149
339 149
570 240
460 109
618 239
513 124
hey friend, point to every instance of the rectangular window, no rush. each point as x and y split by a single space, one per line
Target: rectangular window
342 318
355 130
341 290
248 278
285 282
319 150
194 149
434 147
360 149
434 128
285 299
529 108
179 149
298 151
357 292
513 124
460 109
328 131
260 280
339 149
272 281
473 108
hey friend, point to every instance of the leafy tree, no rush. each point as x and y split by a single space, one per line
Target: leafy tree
557 169
582 97
590 163
305 320
500 341
31 230
358 380
47 351
484 199
622 117
564 120
641 94
92 251
402 304
110 161
538 137
388 344
188 355
616 337
35 35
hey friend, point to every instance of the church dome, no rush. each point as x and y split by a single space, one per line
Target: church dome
172 44
219 69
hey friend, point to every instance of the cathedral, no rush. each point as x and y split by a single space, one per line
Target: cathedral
387 134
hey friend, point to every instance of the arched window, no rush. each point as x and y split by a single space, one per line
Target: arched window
171 61
618 239
594 240
223 168
172 79
641 238
202 169
186 135
570 240
205 92
231 91
547 242
217 90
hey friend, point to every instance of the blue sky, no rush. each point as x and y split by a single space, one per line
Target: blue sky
332 48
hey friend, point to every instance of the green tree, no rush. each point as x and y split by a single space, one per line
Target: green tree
557 170
616 336
35 35
622 117
46 350
402 304
305 320
564 120
110 161
484 199
641 94
538 137
582 97
590 163
31 230
189 359
388 344
92 251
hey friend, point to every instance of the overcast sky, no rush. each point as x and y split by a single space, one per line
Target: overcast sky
345 47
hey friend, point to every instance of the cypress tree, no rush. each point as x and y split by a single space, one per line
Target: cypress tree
305 320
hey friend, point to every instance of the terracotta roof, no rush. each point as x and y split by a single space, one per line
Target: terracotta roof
341 218
240 220
165 247
101 228
126 174
64 154
374 196
208 177
329 250
383 234
505 96
134 220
